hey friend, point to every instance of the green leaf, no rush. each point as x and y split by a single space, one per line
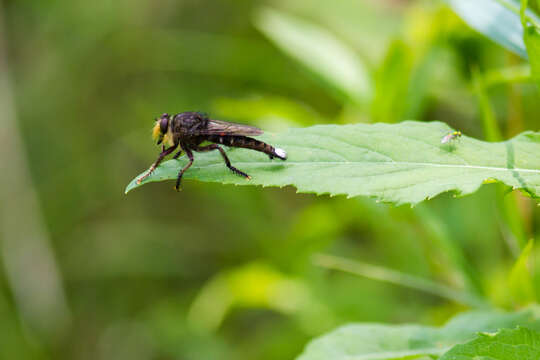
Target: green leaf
489 122
511 74
318 50
380 341
498 20
520 282
256 285
391 84
516 344
400 163
531 37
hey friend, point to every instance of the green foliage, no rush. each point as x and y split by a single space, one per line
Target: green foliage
520 282
398 278
532 39
489 122
531 36
505 22
318 50
254 285
497 19
516 344
392 83
387 342
402 163
227 272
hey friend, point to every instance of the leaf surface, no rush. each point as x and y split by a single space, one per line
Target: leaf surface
507 344
385 342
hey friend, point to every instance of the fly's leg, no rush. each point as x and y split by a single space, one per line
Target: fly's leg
177 154
227 162
161 156
181 172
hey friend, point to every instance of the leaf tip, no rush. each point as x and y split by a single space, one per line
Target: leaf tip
128 188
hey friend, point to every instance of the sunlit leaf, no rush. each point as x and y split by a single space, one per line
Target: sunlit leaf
318 50
516 344
385 342
499 20
401 163
255 285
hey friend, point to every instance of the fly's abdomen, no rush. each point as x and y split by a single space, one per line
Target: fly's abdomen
249 143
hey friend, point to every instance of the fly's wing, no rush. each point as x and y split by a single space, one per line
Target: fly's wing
217 127
446 138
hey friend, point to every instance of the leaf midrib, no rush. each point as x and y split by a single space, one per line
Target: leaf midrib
358 163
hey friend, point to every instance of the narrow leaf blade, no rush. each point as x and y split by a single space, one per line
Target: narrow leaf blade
532 39
520 281
318 50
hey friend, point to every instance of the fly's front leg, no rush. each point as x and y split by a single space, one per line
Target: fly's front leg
161 156
181 172
224 155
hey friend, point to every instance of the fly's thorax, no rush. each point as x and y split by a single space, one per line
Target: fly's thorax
190 119
176 124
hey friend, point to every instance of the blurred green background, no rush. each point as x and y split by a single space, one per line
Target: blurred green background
225 272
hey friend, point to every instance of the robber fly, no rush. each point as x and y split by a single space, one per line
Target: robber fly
450 136
186 131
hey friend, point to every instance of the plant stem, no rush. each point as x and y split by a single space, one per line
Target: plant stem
398 278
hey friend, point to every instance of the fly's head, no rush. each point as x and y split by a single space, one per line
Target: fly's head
162 130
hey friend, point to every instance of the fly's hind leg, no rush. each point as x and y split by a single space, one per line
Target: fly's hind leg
181 172
177 155
224 155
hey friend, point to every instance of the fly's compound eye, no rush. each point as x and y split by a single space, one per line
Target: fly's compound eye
164 124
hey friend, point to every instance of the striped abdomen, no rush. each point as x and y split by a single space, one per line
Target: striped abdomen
248 143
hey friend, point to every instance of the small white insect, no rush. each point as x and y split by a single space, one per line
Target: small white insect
450 136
